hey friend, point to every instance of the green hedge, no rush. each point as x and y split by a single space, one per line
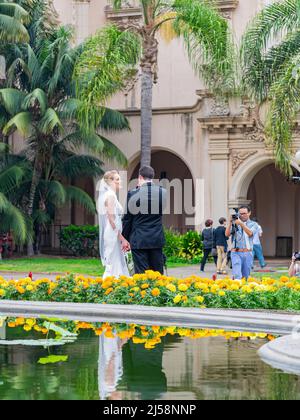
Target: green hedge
80 241
83 241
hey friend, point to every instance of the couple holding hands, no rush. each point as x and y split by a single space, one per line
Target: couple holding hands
139 229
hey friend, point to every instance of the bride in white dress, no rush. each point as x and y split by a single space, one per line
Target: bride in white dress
113 245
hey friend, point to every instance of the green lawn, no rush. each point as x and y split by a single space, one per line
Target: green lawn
88 266
91 267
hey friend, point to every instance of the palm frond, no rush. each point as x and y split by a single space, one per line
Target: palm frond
50 121
82 165
113 120
284 107
81 197
56 193
14 10
12 30
260 76
208 41
105 64
89 141
12 100
38 96
112 153
22 122
10 179
271 24
12 219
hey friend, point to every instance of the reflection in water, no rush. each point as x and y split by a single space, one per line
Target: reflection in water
138 362
110 366
143 371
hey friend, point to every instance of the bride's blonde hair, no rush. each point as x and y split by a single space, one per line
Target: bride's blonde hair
110 176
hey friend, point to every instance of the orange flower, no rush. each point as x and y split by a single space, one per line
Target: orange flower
155 292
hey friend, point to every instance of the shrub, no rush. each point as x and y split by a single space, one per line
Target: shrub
191 246
173 243
80 241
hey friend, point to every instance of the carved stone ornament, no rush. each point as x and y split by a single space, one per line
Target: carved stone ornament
219 108
238 158
255 135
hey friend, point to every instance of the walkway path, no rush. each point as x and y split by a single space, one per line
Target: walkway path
179 272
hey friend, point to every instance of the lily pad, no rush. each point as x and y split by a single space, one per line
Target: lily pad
52 359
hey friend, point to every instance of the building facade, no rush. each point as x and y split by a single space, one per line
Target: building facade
218 145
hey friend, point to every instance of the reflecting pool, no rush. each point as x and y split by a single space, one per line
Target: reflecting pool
52 360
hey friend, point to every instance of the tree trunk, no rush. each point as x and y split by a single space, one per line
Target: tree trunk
148 66
146 117
33 187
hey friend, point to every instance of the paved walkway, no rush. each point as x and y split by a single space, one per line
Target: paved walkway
179 272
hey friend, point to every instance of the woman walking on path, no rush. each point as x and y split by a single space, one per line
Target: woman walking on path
208 242
220 243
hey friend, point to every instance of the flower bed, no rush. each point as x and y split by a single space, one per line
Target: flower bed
153 289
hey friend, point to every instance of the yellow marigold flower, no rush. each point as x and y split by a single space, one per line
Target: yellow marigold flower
199 299
20 289
137 340
30 322
145 286
183 287
135 289
108 291
177 299
143 293
11 324
2 292
156 329
29 288
20 321
106 285
222 293
171 330
44 330
109 334
27 327
155 292
171 287
214 289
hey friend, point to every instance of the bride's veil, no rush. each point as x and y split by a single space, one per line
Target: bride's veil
104 191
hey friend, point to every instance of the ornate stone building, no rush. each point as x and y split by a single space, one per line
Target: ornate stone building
195 137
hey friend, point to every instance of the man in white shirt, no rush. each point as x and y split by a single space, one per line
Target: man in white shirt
257 247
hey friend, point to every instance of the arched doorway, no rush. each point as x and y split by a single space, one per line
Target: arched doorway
174 174
276 204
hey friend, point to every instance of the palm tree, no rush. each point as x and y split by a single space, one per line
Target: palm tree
11 176
271 70
13 18
110 56
40 104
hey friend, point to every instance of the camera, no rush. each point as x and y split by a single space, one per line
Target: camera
235 217
297 256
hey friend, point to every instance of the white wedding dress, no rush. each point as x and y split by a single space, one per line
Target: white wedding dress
112 256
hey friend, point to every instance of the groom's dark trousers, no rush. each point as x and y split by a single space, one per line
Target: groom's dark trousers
143 228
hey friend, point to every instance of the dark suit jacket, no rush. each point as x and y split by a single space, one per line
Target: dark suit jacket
142 223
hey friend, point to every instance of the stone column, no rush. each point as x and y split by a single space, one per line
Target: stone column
219 156
81 19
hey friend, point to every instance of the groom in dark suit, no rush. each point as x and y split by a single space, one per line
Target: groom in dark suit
142 223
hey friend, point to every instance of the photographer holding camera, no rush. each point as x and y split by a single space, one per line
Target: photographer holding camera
294 270
242 230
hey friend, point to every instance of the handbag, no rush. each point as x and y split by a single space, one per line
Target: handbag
214 251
